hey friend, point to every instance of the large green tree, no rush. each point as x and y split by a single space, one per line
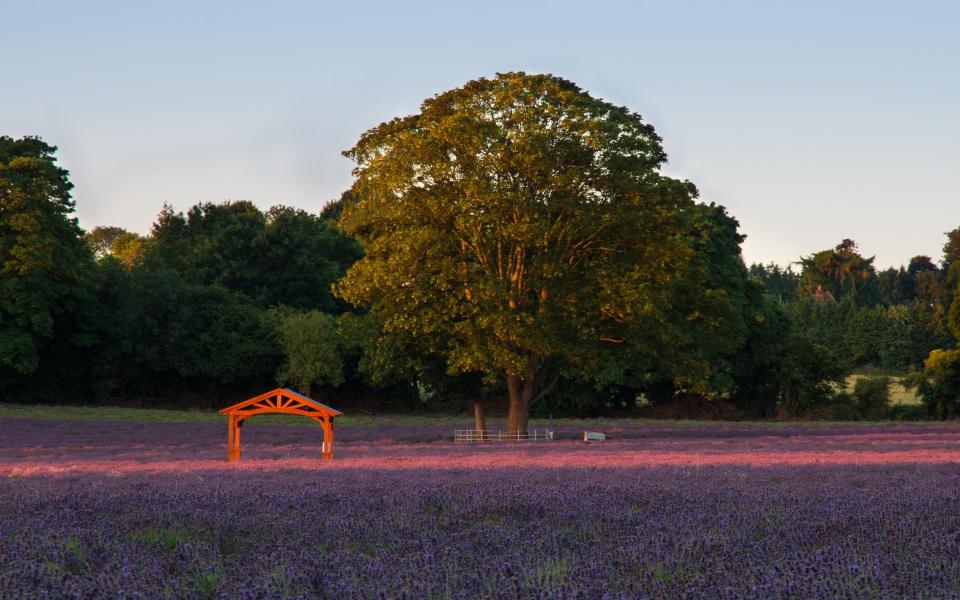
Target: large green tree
43 259
842 271
522 228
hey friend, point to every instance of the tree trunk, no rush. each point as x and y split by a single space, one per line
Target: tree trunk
480 417
518 414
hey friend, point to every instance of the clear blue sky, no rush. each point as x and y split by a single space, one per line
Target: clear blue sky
810 121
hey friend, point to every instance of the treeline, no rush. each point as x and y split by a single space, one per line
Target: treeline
213 304
225 300
886 321
901 321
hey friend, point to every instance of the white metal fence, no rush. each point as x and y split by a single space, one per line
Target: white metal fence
472 435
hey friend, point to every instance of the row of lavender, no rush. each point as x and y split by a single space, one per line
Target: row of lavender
50 447
883 531
31 432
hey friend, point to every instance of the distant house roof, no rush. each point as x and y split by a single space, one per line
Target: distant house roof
281 400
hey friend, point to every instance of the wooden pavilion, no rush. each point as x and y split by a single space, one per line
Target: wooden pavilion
283 401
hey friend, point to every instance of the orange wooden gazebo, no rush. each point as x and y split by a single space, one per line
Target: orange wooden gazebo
284 401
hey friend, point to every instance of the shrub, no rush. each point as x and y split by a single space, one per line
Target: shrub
906 412
871 397
938 385
843 408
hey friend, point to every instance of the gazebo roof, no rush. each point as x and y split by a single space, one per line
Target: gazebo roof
286 400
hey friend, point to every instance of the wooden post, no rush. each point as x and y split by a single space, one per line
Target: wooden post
327 425
236 437
230 438
233 442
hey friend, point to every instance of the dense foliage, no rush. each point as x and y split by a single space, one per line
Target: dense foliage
43 262
180 315
512 248
903 321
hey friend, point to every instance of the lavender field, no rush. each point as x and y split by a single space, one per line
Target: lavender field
149 509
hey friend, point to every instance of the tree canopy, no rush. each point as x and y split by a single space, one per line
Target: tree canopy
839 271
42 255
523 227
282 257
